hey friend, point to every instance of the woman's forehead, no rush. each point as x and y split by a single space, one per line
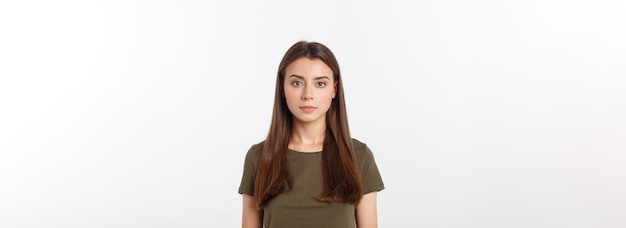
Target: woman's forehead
308 68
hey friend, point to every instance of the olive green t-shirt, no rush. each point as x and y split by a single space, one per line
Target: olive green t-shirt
299 207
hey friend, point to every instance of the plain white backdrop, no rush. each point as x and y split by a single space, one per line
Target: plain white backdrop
479 113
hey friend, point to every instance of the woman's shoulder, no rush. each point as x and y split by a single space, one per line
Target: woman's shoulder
254 151
357 143
257 146
360 148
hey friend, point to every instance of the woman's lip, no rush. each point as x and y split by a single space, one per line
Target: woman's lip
307 108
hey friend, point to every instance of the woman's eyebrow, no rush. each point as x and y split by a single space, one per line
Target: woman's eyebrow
322 77
297 76
316 78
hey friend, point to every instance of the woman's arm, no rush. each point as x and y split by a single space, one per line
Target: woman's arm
366 215
251 217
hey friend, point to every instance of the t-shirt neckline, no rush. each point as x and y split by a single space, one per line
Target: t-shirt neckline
300 152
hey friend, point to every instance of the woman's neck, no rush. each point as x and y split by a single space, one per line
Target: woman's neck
307 137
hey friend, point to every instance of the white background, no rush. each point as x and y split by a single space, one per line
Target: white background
479 113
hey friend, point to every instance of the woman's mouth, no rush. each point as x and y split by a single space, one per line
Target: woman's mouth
307 108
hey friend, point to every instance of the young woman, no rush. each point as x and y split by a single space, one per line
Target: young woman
309 172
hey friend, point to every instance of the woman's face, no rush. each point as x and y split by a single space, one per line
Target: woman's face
309 89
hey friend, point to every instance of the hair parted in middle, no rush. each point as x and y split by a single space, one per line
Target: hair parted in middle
340 171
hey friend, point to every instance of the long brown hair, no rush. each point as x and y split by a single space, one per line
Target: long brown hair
342 182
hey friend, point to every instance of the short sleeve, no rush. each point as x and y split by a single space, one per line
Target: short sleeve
249 171
370 176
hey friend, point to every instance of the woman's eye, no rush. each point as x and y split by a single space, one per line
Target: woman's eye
296 83
321 84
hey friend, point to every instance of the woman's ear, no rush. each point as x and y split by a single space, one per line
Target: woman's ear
334 89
